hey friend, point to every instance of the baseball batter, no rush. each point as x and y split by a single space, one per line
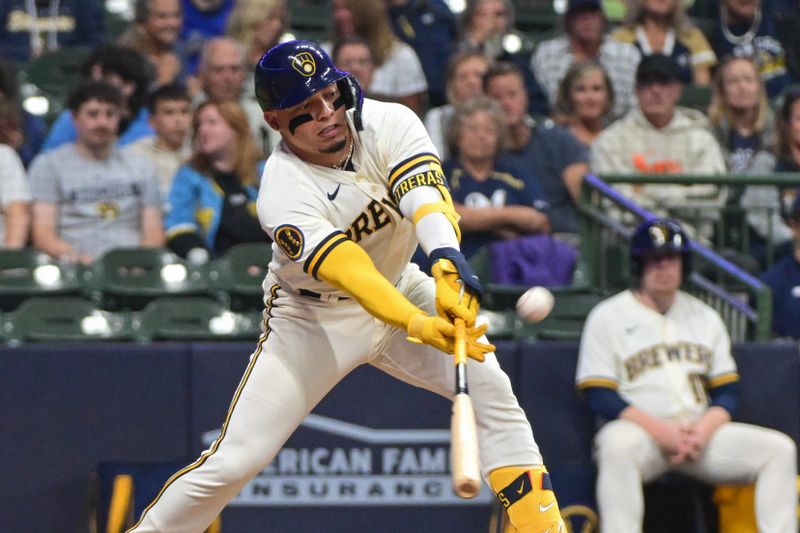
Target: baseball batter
346 197
656 362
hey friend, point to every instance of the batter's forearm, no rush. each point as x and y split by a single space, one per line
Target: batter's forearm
348 268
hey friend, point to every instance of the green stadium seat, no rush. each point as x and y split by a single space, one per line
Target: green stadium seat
565 321
129 278
555 329
696 96
236 278
28 272
575 304
53 74
63 319
315 23
194 318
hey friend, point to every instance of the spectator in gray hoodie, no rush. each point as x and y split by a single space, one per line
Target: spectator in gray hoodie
658 137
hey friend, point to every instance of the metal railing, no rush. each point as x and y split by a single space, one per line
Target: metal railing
732 222
743 301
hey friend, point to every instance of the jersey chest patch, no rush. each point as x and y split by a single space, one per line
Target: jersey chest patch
291 240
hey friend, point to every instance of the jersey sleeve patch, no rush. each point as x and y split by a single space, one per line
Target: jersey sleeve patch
291 240
433 177
407 165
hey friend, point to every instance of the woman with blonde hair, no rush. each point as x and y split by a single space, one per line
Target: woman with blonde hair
398 72
740 116
744 126
258 25
662 26
584 101
488 26
464 81
211 205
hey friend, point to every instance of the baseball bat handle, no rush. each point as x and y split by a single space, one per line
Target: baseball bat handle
464 435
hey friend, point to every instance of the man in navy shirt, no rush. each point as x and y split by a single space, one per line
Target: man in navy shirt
29 28
547 151
430 28
784 281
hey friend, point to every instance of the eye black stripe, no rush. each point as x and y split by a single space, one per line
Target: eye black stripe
298 121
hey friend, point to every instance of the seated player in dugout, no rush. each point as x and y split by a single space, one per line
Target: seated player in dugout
346 197
655 365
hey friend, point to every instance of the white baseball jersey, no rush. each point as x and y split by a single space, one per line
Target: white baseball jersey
311 341
659 363
307 209
662 364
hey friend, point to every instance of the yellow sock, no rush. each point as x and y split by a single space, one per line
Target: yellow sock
527 495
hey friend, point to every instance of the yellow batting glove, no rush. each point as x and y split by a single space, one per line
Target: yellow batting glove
440 333
450 302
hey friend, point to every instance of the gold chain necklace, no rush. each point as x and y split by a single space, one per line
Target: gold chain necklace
341 165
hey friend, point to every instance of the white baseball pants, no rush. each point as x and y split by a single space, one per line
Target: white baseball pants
627 457
310 346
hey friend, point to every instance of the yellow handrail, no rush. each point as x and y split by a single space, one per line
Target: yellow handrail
120 510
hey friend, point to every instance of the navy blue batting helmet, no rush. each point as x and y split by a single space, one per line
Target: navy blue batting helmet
290 72
659 235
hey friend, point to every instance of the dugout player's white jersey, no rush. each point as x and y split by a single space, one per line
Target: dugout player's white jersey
659 363
306 208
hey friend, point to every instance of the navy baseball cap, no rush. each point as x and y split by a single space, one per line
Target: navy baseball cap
582 6
657 68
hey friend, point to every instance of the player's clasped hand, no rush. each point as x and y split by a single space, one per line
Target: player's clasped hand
450 302
439 333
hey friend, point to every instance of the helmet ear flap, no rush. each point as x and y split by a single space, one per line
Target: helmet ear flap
353 98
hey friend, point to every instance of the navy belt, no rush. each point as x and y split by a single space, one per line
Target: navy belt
322 297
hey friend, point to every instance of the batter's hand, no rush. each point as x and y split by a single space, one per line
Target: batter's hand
439 333
458 290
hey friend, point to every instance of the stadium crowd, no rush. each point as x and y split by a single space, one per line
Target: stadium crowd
160 141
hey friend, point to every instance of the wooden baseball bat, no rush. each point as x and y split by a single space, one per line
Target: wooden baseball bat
463 433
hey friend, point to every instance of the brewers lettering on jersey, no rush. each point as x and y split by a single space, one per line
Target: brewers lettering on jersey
349 193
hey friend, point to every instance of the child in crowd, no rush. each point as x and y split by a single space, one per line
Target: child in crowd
170 110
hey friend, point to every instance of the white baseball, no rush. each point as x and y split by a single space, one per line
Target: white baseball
535 304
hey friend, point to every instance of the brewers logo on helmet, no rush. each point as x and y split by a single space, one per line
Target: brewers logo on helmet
659 235
290 72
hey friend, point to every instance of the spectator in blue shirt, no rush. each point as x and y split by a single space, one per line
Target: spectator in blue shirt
746 30
126 69
212 203
430 28
784 281
202 20
495 199
30 28
550 152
